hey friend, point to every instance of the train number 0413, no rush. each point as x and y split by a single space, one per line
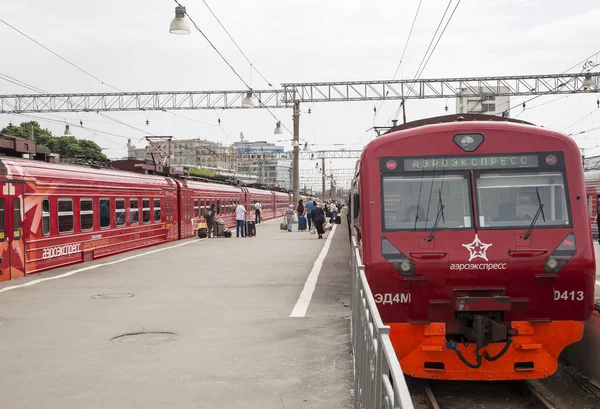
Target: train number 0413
568 295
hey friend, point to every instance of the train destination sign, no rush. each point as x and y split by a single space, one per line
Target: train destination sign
472 162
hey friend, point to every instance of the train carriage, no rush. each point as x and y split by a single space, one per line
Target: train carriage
266 199
477 246
54 215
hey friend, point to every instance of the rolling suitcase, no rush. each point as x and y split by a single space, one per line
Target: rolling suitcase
338 219
202 233
301 223
250 228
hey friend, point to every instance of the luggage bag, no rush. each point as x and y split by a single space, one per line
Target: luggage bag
302 223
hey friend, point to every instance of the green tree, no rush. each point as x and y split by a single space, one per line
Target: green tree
65 146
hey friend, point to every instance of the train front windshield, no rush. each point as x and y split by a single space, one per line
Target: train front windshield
509 192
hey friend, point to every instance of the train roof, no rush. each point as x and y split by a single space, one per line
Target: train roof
63 173
193 184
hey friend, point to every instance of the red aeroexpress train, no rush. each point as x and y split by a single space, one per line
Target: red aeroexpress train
53 215
476 243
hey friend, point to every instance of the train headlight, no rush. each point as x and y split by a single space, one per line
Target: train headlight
396 258
561 255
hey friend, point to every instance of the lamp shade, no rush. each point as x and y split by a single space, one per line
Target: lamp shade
179 25
278 130
247 101
67 130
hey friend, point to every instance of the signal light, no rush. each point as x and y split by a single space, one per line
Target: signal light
396 258
561 255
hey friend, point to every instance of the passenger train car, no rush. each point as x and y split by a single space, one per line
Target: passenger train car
53 215
476 245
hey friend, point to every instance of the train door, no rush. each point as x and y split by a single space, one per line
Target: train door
12 248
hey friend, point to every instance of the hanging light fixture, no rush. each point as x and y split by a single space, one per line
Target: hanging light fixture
179 25
588 82
67 130
295 143
247 101
278 130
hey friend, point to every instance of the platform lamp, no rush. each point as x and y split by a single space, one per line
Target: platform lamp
67 130
179 25
247 101
588 81
278 130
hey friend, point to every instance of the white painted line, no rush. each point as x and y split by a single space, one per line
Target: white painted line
80 270
301 306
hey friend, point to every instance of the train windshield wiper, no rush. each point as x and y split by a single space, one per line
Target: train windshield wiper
440 215
540 210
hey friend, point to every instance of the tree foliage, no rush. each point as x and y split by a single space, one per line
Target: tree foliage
65 146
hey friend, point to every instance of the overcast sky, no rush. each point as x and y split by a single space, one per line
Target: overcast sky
128 45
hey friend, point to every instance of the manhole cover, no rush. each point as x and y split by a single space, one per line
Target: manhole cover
146 338
113 295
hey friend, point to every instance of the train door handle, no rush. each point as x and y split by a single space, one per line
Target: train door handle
526 252
428 255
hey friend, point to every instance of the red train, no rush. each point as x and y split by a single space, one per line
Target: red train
53 215
477 246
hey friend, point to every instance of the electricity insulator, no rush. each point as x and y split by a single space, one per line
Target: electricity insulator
147 122
81 123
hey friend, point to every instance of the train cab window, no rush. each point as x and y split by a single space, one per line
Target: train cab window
196 208
86 214
157 215
511 200
104 213
16 218
411 202
146 210
45 217
65 215
120 212
134 211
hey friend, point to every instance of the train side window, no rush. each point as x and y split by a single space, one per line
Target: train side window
45 217
120 212
134 211
16 218
86 214
104 213
2 222
156 210
65 215
195 207
146 210
218 207
202 208
589 204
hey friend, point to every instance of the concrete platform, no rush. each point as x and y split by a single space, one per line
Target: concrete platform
228 303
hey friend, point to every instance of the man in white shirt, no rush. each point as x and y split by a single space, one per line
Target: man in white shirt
257 207
240 219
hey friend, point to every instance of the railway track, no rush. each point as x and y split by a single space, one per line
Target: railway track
488 395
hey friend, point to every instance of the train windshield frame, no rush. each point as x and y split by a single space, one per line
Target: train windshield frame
412 202
509 199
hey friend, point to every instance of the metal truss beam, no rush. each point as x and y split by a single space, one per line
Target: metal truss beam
518 85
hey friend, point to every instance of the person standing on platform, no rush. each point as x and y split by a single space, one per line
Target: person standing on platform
257 207
333 210
301 211
210 219
318 218
309 207
289 217
240 220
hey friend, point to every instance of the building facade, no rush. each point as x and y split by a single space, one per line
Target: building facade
482 102
266 161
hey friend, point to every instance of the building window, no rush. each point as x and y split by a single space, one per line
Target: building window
156 210
120 212
488 98
146 210
86 214
104 213
45 217
489 107
65 215
134 211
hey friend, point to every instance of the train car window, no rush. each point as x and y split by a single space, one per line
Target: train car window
157 215
411 202
196 208
120 212
590 210
45 217
202 208
134 211
86 214
65 215
16 218
2 221
218 207
146 210
104 213
511 200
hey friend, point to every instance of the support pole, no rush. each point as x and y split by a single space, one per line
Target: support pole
296 145
323 176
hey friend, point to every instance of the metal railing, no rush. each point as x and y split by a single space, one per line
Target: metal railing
378 379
